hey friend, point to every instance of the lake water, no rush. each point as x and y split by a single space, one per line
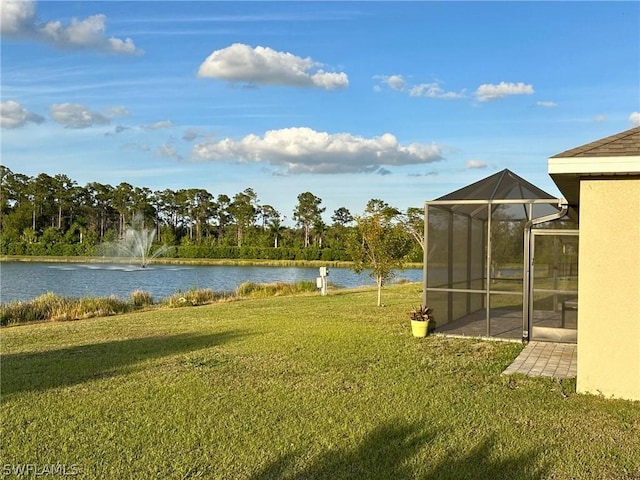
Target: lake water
24 280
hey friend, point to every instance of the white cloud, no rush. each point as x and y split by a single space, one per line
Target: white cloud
158 125
483 93
600 118
471 164
168 151
117 111
634 118
303 150
433 90
19 20
191 134
138 147
17 16
265 66
546 104
429 90
14 115
487 92
395 82
75 115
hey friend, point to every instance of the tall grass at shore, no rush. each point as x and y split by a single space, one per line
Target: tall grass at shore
251 289
52 307
195 297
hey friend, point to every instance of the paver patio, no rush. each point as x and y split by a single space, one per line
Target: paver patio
546 359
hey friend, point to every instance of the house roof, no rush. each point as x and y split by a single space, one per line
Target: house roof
616 155
623 144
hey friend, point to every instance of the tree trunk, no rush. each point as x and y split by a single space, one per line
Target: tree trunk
306 235
379 283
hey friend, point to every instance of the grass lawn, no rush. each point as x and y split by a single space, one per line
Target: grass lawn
296 387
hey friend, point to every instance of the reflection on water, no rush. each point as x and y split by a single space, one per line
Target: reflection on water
23 281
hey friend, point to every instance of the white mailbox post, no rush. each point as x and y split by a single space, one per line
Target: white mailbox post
321 281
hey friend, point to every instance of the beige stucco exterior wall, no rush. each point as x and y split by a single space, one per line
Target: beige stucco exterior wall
609 288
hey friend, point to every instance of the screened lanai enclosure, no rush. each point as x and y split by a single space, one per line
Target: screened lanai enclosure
501 260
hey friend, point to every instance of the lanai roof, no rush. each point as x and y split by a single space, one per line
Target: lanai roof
504 185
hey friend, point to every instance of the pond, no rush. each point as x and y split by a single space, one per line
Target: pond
25 280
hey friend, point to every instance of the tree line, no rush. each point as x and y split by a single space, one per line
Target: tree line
53 215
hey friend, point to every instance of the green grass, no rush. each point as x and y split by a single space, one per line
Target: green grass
296 387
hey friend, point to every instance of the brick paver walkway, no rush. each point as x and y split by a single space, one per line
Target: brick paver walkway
545 359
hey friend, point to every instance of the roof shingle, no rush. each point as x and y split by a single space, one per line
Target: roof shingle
623 144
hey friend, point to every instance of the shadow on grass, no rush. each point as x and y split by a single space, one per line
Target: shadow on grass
38 371
391 451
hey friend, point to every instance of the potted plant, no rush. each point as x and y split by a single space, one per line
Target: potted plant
420 320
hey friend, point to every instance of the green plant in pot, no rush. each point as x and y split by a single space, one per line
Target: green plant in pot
420 320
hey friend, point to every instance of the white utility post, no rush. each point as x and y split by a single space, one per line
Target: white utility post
321 281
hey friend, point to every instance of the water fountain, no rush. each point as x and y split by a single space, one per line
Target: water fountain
137 244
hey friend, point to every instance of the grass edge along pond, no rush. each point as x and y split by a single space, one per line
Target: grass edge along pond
185 261
296 387
52 307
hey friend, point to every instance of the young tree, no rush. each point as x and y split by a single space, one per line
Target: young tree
379 242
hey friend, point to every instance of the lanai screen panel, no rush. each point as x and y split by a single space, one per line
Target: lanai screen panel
474 255
439 248
457 261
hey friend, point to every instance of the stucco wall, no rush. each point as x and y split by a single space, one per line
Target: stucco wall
609 288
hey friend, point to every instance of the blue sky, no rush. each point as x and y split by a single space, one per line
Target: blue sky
351 101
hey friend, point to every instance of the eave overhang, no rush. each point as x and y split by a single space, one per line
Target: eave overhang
567 172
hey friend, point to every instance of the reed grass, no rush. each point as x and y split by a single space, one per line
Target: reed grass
195 297
275 289
141 298
50 306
